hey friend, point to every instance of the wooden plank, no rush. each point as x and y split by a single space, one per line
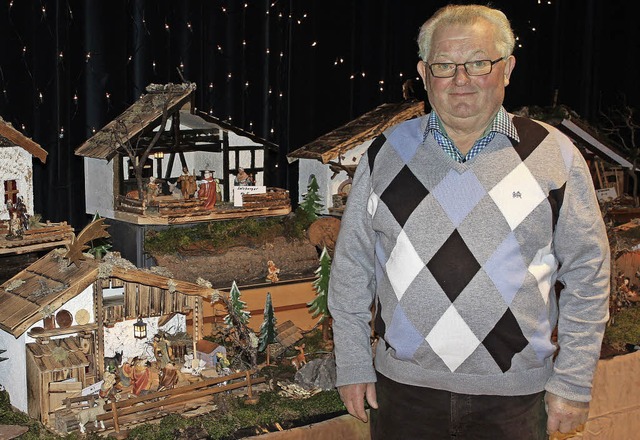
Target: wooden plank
130 300
143 300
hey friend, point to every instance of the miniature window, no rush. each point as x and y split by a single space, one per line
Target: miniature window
10 191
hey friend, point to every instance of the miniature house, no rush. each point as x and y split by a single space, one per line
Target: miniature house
59 320
16 167
191 140
333 157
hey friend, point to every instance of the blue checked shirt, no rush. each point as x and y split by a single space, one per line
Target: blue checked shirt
501 124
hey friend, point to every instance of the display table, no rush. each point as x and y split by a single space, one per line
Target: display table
615 408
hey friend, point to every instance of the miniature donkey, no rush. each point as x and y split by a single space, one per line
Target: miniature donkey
112 363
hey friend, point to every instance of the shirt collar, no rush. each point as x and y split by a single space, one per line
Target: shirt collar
501 124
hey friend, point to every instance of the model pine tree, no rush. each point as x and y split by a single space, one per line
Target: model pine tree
319 307
268 331
311 202
236 308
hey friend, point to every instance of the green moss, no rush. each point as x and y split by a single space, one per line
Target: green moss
625 328
220 235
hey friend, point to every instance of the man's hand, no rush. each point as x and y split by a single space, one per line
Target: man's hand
353 398
564 415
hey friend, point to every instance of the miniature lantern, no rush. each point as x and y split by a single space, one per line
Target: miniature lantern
140 329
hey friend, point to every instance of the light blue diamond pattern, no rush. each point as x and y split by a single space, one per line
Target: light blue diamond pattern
402 335
506 268
541 339
458 194
406 139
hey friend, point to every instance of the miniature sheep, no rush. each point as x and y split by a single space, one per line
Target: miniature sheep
90 415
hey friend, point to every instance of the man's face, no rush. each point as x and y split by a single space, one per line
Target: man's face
466 103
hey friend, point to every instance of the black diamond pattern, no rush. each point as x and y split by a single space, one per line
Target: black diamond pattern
505 340
403 195
373 150
556 197
453 266
530 134
379 325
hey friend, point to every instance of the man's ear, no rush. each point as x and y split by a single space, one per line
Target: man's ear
422 71
509 65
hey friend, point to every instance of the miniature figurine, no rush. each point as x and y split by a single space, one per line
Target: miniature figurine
162 350
112 363
272 276
91 415
18 219
207 190
300 358
187 184
152 189
168 377
242 178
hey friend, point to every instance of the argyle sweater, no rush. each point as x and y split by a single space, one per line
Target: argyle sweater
460 261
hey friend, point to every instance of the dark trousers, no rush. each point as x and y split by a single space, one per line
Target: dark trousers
408 412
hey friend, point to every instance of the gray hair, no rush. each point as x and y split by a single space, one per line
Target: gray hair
466 15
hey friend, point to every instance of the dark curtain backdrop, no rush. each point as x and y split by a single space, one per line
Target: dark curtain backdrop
287 70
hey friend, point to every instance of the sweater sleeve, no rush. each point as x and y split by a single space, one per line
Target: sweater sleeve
352 285
582 248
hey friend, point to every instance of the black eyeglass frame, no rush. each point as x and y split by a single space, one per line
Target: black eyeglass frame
492 62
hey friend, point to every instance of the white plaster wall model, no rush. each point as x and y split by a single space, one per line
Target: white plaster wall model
120 336
327 186
12 371
16 164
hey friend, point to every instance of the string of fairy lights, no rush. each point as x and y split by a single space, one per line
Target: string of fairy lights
285 18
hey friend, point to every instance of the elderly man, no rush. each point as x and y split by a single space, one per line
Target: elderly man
457 228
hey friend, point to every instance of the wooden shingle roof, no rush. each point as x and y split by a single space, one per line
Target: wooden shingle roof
371 124
142 116
45 285
50 282
9 136
58 355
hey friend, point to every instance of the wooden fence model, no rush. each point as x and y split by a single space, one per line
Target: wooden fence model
154 405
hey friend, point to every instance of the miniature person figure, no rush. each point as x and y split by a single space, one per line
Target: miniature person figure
273 272
16 230
168 377
207 190
187 184
242 178
457 227
152 189
162 350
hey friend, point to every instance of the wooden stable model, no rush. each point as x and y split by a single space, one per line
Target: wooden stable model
135 164
18 248
60 319
332 158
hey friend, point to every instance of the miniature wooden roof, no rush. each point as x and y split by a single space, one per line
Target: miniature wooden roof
142 116
58 355
9 137
239 131
331 145
44 286
582 133
50 282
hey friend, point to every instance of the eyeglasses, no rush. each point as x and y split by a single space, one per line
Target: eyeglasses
473 68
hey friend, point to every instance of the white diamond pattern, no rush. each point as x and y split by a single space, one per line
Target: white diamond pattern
542 267
452 339
517 195
372 203
403 266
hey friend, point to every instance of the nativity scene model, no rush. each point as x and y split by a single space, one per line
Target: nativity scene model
226 315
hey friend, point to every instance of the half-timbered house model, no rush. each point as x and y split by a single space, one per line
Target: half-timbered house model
62 315
332 158
16 182
165 137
